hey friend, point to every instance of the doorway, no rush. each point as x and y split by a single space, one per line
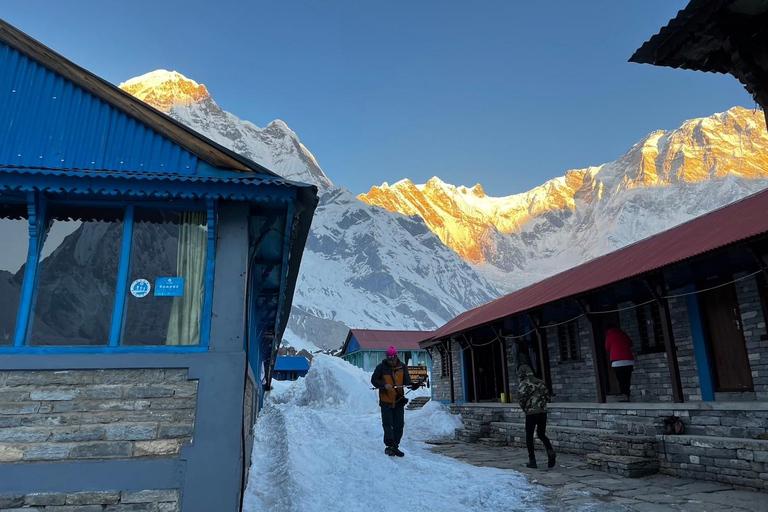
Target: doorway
600 325
728 350
486 373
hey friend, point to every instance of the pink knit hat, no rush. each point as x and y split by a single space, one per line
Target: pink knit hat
391 352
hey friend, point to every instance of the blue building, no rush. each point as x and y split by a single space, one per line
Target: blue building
366 348
146 277
290 367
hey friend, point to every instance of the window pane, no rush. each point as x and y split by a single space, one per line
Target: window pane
14 232
77 277
167 245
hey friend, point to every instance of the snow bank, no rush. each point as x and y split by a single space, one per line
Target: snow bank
318 446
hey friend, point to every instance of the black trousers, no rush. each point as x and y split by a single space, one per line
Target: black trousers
624 376
538 422
393 420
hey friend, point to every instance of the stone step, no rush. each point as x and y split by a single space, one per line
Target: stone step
636 446
491 441
417 403
624 465
466 436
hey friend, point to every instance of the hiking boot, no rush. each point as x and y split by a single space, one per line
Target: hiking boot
531 464
396 450
551 458
390 450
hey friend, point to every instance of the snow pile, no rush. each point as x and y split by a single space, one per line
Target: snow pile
318 446
433 421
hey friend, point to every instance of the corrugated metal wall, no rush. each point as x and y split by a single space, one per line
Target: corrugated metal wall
45 121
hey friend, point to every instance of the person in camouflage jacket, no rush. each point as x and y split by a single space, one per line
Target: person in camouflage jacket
533 395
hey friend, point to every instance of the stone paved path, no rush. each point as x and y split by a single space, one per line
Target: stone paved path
574 486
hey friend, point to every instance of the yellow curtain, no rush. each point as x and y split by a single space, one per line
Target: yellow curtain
186 312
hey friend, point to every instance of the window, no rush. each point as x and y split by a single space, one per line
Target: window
105 276
166 245
650 328
568 338
14 232
77 277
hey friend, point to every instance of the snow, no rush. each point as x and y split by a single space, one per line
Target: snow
157 78
318 446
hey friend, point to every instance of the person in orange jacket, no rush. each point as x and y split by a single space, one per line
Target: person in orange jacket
390 377
619 349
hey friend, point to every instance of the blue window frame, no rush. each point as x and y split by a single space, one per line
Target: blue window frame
115 220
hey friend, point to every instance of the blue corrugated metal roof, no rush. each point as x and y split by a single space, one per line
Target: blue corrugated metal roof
291 363
46 121
112 183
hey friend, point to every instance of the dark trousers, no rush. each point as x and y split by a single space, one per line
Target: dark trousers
538 422
393 420
624 376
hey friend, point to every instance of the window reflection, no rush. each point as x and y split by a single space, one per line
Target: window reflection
77 277
14 233
166 244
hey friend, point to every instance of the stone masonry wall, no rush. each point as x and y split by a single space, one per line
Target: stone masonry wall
572 381
441 386
511 349
725 444
109 501
753 325
650 378
686 358
95 414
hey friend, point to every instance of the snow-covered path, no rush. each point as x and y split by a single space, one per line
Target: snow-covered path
318 447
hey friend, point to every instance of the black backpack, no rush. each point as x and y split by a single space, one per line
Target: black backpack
673 425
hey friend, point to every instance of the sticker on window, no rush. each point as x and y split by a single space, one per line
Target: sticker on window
140 288
169 287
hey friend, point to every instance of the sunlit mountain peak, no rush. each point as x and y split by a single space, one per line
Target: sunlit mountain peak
166 89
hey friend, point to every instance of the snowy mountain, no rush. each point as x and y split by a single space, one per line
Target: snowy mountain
363 267
663 180
276 147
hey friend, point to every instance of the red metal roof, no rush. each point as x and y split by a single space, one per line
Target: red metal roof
381 340
738 221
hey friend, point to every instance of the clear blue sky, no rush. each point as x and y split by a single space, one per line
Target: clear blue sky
505 93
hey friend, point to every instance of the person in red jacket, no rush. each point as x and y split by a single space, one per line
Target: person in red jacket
619 349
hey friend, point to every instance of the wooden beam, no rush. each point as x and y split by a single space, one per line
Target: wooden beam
669 340
598 355
505 368
543 351
450 371
759 260
474 369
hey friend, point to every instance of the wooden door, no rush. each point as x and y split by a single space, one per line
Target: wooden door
728 350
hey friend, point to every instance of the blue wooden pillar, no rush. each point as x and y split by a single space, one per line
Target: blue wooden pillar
699 346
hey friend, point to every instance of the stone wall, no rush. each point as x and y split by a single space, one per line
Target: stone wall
511 349
572 381
736 462
755 334
686 357
722 442
441 386
95 414
650 378
102 501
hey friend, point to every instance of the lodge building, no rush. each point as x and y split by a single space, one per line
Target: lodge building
694 299
146 277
